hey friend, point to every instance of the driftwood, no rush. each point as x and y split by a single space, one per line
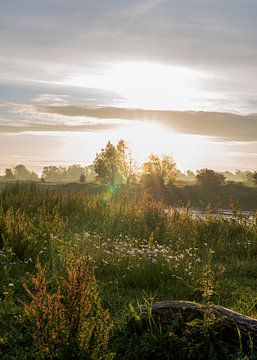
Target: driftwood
232 327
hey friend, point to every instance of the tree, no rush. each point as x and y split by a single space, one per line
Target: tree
111 164
82 178
190 175
210 178
254 177
21 173
52 173
90 173
164 170
9 175
73 173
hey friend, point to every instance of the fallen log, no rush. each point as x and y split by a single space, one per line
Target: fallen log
232 327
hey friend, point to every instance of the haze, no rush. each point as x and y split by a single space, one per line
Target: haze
73 72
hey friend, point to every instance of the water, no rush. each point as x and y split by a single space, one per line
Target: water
241 216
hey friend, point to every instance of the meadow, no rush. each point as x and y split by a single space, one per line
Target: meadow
75 266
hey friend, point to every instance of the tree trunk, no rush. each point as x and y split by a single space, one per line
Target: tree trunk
233 328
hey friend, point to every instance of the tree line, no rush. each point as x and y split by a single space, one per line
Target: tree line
72 173
114 164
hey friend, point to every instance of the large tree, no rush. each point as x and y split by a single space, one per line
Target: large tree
164 169
112 164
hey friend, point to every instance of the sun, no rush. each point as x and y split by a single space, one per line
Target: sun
154 85
146 137
146 84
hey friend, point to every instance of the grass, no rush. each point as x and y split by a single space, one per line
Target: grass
136 253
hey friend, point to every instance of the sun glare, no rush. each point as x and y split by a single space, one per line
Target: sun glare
147 84
144 138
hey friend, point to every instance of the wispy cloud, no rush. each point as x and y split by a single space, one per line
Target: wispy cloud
62 117
227 126
51 99
49 40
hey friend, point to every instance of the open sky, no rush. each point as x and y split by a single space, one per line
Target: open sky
189 67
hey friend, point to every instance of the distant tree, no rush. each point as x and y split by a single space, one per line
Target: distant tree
90 173
254 177
73 173
111 164
162 170
190 175
9 175
82 178
52 173
21 173
243 176
210 178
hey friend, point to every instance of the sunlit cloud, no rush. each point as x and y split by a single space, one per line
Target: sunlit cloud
223 126
148 85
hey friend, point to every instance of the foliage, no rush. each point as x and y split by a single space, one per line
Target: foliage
72 173
187 177
70 322
210 178
9 176
19 173
254 176
146 337
112 165
163 169
134 248
82 178
22 173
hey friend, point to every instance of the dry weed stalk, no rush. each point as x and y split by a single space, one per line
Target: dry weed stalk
69 323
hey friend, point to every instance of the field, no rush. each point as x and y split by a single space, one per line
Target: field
74 267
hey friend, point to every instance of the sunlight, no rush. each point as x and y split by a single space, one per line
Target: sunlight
147 84
144 138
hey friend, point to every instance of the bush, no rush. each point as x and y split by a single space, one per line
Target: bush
68 323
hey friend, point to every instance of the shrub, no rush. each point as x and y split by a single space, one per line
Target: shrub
68 323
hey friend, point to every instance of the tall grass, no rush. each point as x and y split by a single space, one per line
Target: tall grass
135 249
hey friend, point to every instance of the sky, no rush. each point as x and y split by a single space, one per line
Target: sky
71 73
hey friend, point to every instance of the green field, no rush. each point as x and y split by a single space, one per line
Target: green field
74 266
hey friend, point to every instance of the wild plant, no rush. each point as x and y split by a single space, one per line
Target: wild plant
68 322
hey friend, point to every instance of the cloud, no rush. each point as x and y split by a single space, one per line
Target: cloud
56 127
27 92
40 116
51 99
225 126
20 118
46 41
101 31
